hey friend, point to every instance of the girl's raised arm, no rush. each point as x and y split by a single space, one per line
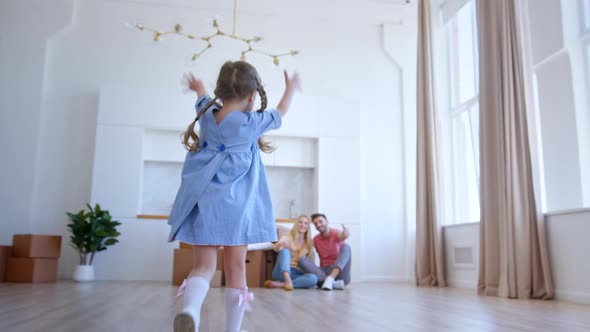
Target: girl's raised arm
291 84
194 84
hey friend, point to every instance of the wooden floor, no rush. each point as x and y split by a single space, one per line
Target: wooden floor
150 306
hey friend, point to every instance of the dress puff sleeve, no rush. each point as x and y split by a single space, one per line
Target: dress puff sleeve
266 120
202 101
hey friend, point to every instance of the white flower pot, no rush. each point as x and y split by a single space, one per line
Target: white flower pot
83 273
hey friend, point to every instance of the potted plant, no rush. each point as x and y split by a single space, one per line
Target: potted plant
92 231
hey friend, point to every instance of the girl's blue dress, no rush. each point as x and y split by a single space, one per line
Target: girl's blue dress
224 197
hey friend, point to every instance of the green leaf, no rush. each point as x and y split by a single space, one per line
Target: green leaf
110 242
92 230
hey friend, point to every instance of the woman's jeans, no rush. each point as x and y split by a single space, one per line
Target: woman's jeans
300 279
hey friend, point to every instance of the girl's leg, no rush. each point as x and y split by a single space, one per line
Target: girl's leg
197 286
204 262
236 291
281 277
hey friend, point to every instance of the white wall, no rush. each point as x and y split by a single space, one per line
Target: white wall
393 127
342 60
24 30
568 254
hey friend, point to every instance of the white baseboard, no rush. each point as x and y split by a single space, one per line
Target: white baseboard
369 278
463 284
569 296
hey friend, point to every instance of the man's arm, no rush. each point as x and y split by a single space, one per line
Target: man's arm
344 233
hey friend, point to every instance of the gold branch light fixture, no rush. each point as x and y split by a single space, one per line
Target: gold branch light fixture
250 47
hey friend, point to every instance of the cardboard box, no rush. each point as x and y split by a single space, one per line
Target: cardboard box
271 260
183 263
36 246
4 255
22 269
255 268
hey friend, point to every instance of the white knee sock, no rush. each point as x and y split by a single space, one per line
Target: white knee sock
236 301
194 295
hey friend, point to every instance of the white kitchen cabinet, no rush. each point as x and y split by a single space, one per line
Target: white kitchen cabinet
295 152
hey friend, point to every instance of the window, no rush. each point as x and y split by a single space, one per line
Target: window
585 36
460 121
583 114
462 55
585 4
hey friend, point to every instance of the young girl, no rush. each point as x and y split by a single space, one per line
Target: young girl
224 198
291 247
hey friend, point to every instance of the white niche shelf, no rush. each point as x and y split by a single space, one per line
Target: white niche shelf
291 171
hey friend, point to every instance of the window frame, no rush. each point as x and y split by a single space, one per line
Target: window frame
584 10
584 6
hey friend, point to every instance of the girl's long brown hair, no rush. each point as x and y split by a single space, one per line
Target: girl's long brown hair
237 80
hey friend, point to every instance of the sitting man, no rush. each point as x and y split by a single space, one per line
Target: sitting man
334 269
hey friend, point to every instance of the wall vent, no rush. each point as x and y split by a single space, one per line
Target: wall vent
463 256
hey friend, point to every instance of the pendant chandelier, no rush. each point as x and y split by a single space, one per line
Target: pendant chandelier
249 42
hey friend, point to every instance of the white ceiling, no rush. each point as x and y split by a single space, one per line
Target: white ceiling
353 11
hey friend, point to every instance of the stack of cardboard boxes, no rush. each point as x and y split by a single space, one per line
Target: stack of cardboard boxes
32 258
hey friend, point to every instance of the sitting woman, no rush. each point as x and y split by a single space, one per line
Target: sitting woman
291 247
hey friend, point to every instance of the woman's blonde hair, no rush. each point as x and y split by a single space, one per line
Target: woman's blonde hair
307 244
237 80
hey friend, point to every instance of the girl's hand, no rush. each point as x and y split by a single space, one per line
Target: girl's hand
292 83
194 84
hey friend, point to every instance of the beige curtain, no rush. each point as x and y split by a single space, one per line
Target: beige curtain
513 251
429 245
